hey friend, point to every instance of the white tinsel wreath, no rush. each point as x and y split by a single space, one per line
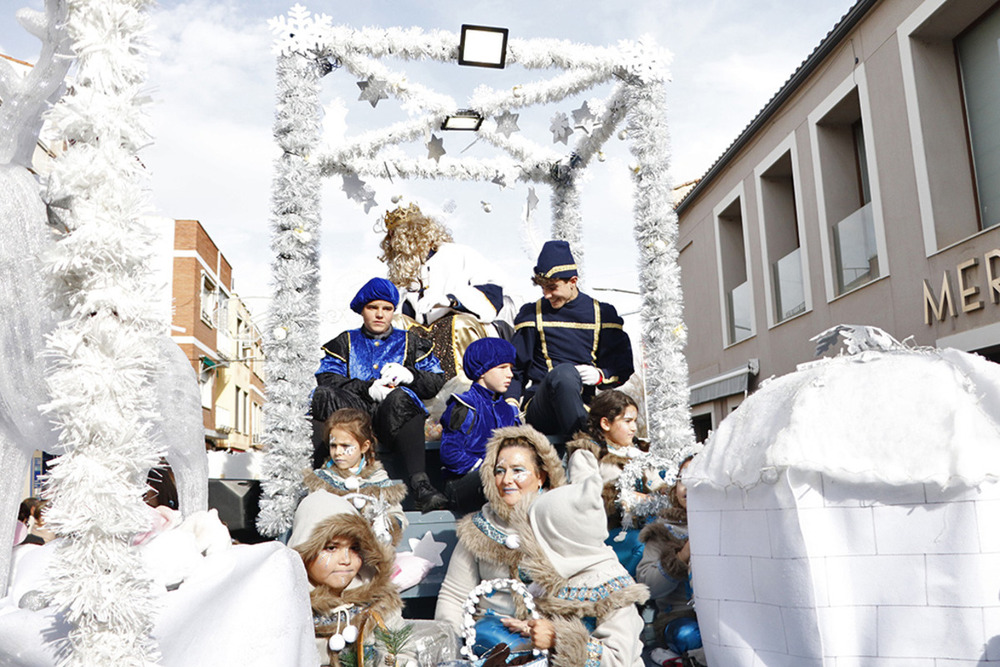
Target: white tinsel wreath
487 588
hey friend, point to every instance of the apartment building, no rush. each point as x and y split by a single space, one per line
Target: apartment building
215 330
867 191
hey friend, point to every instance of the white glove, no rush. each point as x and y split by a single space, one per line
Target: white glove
396 374
432 306
379 390
589 374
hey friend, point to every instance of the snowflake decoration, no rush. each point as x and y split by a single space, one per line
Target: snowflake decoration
300 32
560 127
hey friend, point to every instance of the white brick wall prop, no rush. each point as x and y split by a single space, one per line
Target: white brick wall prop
866 558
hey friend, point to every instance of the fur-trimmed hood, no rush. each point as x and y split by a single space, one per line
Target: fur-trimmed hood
322 516
528 437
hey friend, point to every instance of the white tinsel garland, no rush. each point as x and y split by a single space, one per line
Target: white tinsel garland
290 339
101 379
656 231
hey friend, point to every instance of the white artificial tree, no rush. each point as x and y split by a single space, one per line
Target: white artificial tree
102 351
639 70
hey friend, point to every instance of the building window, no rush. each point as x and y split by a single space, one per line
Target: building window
782 246
943 43
702 425
737 293
845 187
209 300
979 65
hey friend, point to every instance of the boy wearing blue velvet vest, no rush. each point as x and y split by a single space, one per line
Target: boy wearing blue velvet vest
470 418
387 373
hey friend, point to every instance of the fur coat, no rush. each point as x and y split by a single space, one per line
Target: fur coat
484 548
373 481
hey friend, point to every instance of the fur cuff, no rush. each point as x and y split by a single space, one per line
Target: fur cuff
572 640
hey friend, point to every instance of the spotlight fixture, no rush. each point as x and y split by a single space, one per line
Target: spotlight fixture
466 119
483 46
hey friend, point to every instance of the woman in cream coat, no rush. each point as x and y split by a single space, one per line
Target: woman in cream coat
520 464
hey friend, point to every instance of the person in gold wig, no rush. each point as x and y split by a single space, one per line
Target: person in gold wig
450 291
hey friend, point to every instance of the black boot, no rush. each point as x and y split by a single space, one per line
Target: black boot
425 496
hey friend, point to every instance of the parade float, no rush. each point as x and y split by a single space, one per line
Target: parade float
89 345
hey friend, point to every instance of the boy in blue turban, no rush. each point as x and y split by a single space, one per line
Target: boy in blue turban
470 418
568 344
385 372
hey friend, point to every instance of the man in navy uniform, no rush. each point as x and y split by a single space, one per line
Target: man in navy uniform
567 345
387 373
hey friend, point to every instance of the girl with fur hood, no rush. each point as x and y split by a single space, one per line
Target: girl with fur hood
349 571
665 568
519 466
587 599
611 428
353 468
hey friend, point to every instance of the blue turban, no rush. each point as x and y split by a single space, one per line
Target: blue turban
555 261
376 289
484 354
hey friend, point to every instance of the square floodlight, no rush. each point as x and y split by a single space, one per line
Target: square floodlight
463 120
483 46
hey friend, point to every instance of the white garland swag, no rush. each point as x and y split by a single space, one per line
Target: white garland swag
100 382
641 70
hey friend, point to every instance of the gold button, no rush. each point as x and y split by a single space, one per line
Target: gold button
374 365
377 343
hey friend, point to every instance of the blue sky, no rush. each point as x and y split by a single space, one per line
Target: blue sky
213 85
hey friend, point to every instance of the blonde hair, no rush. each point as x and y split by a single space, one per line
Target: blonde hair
410 236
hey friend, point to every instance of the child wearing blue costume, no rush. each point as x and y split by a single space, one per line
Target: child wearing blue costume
471 417
387 373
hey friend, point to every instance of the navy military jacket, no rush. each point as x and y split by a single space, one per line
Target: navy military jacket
583 331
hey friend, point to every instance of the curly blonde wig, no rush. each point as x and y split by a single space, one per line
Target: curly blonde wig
410 236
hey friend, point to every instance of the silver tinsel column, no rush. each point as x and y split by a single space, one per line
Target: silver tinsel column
290 340
656 231
567 223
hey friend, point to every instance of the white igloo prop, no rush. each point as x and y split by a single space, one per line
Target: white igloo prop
849 514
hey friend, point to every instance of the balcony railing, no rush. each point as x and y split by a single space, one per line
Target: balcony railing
855 250
789 288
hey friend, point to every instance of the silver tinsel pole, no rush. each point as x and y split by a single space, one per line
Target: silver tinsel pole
290 341
656 231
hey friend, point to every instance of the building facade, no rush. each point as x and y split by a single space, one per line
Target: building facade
215 330
867 191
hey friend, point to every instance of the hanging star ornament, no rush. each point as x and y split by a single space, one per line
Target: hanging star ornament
435 148
359 191
507 124
532 203
372 91
560 127
584 118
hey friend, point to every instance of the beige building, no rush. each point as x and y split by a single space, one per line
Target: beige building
214 328
867 191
